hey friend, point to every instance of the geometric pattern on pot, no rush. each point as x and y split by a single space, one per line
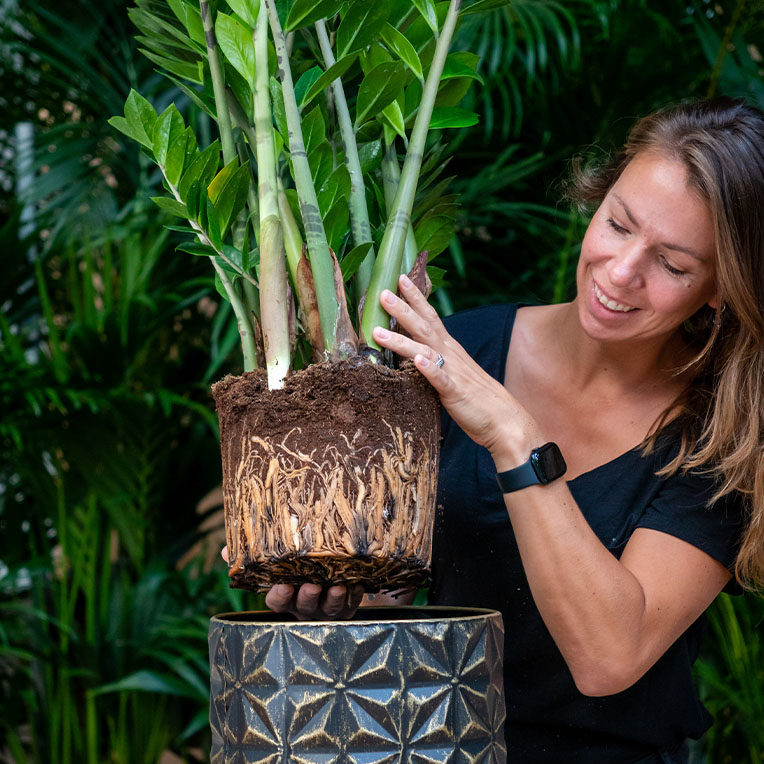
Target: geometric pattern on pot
422 685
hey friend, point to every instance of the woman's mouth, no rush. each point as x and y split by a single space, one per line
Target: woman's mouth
611 304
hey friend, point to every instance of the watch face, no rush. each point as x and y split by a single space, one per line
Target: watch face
548 463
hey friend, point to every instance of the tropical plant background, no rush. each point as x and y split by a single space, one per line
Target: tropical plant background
109 340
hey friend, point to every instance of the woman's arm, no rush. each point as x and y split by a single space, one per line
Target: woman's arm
611 619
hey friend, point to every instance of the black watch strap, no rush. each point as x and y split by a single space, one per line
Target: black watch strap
544 465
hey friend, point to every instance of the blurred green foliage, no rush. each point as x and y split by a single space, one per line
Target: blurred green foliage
109 340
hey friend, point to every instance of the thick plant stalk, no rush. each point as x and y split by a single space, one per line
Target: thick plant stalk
318 247
292 237
388 265
359 212
391 178
246 332
274 310
218 84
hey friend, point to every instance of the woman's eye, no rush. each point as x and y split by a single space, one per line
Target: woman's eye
617 228
670 268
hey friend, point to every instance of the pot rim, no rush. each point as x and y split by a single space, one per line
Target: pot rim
440 613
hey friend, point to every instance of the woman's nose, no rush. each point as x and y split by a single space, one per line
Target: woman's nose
625 267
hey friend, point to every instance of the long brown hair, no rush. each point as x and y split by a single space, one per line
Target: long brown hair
720 142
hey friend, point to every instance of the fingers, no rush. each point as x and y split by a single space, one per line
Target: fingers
311 602
224 553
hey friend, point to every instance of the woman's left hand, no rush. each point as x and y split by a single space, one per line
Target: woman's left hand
478 403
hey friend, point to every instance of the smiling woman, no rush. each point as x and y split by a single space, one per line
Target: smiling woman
650 385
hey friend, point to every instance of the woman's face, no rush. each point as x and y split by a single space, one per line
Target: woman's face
647 260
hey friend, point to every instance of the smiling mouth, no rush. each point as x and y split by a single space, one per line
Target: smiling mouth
611 304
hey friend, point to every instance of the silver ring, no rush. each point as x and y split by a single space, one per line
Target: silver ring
440 361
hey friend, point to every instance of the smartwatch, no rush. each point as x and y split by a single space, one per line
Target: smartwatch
544 465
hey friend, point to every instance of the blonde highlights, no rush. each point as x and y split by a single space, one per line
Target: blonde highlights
720 142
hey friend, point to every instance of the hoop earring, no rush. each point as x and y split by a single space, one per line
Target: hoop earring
718 317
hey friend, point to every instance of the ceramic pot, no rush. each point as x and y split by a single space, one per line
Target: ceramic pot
409 684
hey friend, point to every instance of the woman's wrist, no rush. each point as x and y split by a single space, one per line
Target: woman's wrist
513 444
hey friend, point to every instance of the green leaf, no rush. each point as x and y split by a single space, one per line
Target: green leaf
167 131
305 12
221 289
427 9
360 26
452 116
379 88
437 276
370 155
121 124
461 65
177 151
191 19
335 71
277 106
182 69
228 192
196 248
402 48
235 40
234 255
212 225
202 169
170 205
313 129
321 161
353 259
206 104
336 224
433 234
149 681
306 81
246 9
478 6
141 116
393 117
336 186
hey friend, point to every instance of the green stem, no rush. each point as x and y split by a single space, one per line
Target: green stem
245 325
359 212
391 177
292 236
273 282
318 248
218 84
388 265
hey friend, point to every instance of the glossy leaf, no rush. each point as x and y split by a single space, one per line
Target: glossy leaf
336 223
452 116
306 81
196 248
378 89
228 192
336 186
353 259
370 155
429 14
141 116
461 64
182 69
277 107
402 48
392 116
335 71
247 10
190 17
212 224
167 130
235 40
177 151
202 169
171 206
360 26
434 233
313 130
305 12
321 161
478 6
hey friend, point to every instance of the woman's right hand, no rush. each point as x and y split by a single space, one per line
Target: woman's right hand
311 602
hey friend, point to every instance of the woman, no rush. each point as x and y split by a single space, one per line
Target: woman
649 385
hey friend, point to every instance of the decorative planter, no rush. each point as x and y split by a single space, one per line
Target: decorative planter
331 479
393 685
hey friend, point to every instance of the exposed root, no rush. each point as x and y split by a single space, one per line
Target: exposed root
349 514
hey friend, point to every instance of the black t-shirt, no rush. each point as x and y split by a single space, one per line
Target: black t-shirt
476 563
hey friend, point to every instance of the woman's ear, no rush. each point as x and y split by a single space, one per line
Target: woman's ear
713 302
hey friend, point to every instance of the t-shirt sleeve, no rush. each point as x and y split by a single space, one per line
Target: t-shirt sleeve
682 509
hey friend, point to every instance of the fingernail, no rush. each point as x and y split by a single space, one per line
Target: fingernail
422 361
406 281
387 296
283 590
381 333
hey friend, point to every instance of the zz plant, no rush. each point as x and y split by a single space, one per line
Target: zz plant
301 204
